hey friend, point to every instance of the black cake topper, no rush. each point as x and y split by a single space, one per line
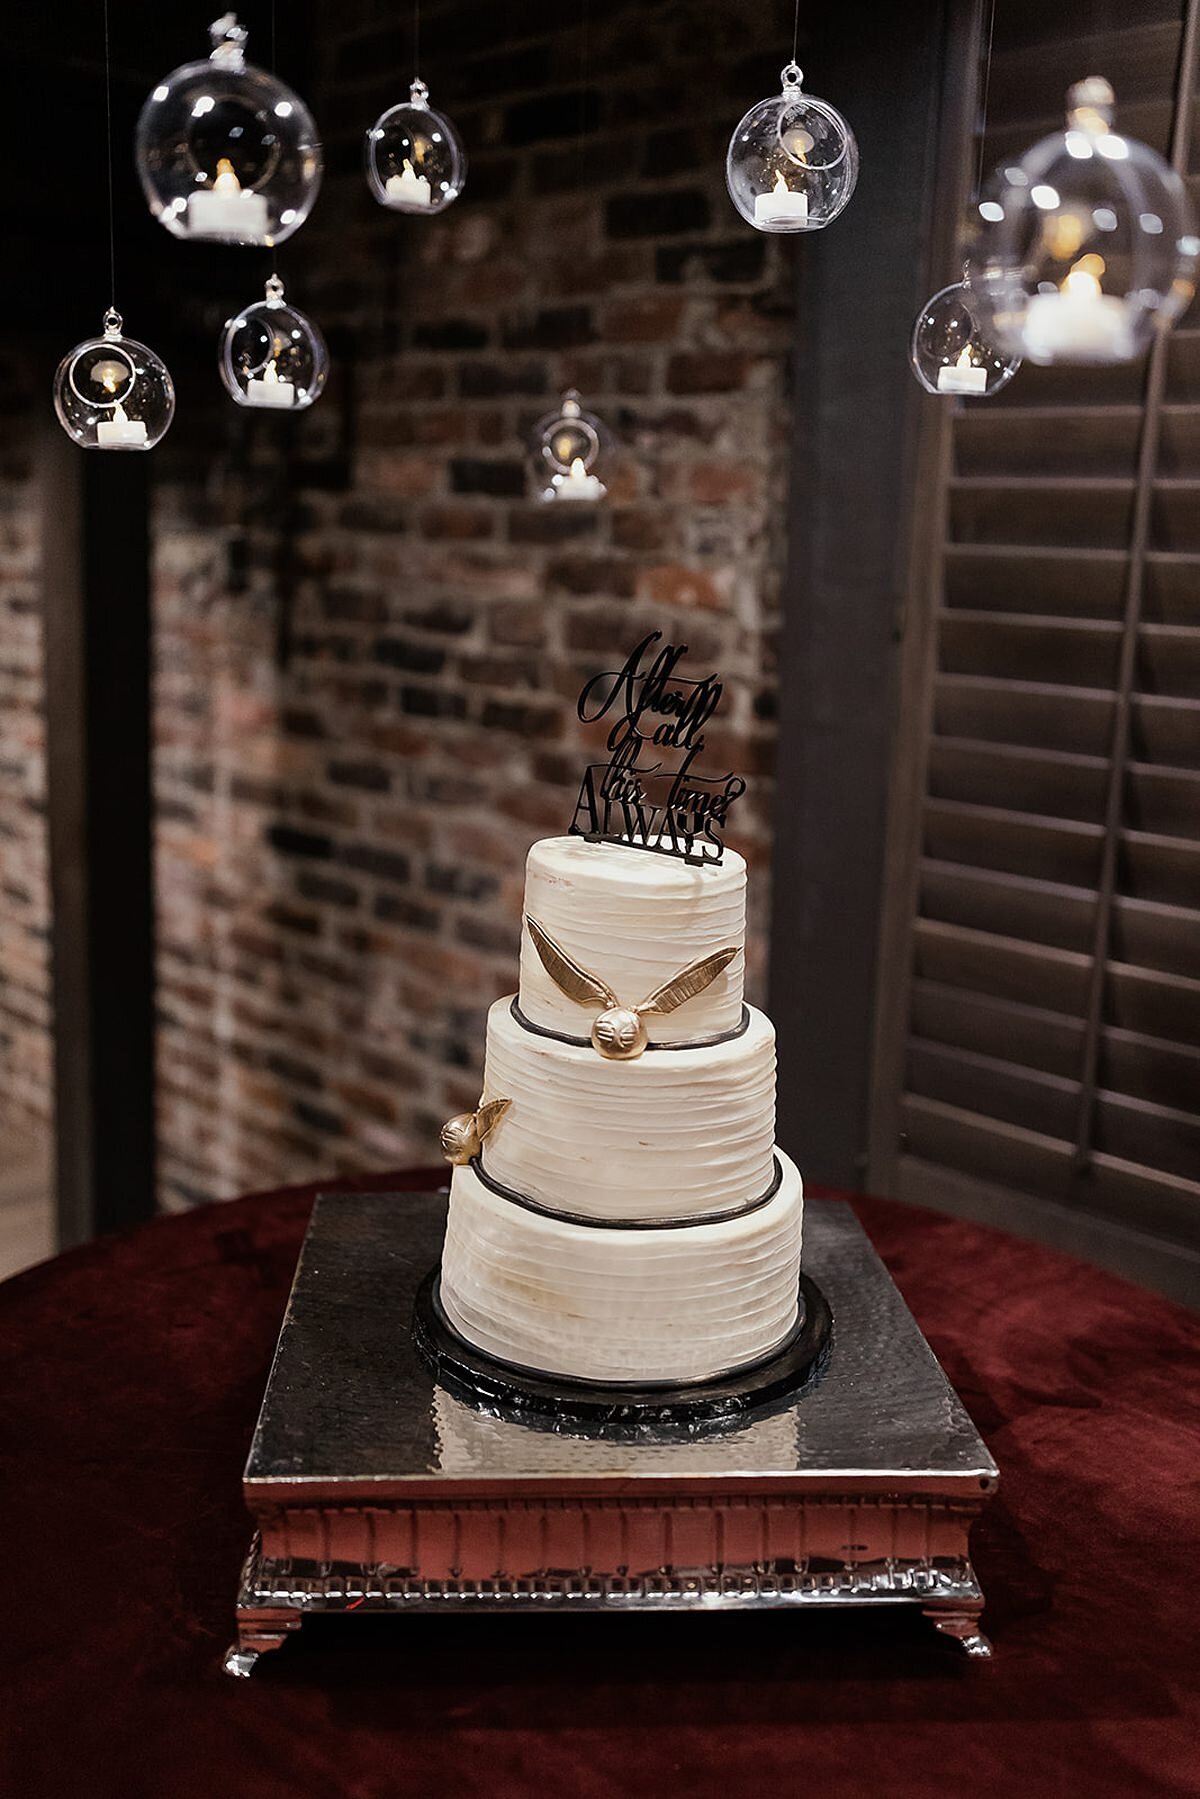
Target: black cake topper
658 804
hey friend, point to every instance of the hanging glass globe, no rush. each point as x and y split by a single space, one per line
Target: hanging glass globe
1087 243
271 356
567 445
112 393
792 162
415 158
951 352
226 153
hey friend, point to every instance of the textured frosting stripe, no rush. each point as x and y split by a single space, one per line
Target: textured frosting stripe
634 920
597 1304
663 1136
625 1224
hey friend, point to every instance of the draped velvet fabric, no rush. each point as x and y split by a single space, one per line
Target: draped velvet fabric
130 1375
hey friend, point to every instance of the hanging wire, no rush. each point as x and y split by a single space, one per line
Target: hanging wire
274 71
112 236
795 32
416 39
983 101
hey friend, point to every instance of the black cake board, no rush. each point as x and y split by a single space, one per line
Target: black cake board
375 1488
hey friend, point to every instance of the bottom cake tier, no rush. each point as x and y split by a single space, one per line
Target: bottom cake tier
605 1303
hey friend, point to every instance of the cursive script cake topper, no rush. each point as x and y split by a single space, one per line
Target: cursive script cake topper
648 795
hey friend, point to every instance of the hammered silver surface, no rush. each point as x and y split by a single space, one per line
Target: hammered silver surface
350 1400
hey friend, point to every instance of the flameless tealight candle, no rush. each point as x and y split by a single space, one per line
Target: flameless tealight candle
578 484
120 432
1079 321
408 188
962 376
269 390
227 209
781 206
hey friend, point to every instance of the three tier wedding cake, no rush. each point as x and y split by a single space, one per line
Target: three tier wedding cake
619 1211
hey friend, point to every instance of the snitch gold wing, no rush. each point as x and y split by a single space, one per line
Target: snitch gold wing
489 1115
586 989
687 983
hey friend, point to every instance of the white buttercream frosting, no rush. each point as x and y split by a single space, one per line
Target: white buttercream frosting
634 919
674 1133
627 1305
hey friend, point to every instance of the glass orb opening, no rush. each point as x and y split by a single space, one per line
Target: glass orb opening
1086 244
226 153
271 357
567 445
112 393
792 162
414 157
951 352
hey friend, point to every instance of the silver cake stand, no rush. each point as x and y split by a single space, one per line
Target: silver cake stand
376 1489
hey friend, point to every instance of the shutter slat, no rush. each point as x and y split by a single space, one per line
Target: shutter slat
1032 973
1157 936
1051 440
1076 652
1046 781
1012 905
1033 714
1149 1068
1138 1131
1043 579
1029 1035
1171 595
1157 867
1154 1004
1165 729
1046 1103
1165 801
1088 513
1052 849
1169 660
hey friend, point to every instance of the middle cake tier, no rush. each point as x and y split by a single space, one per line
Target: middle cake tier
678 1133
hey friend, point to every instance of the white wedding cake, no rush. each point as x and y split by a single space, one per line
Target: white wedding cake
618 1209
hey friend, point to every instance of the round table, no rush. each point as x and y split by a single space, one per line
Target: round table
130 1376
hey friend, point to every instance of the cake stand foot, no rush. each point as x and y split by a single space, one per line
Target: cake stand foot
962 1625
254 1640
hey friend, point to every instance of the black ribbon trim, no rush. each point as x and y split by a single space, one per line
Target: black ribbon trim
542 1030
629 1224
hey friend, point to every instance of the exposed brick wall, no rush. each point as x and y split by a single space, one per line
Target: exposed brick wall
363 721
25 1045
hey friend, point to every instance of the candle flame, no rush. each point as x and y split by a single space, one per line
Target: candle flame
119 417
226 181
271 373
964 358
781 186
1083 279
409 172
578 471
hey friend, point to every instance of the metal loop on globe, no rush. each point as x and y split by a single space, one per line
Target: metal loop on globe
415 159
227 153
1086 244
271 356
792 162
112 393
951 352
568 443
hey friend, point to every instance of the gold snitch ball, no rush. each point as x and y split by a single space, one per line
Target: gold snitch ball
460 1138
619 1034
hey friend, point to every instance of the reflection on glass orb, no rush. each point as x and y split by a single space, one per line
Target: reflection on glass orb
225 152
415 158
951 352
112 393
792 162
567 445
1087 244
271 356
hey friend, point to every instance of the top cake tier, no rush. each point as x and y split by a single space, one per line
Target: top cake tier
634 920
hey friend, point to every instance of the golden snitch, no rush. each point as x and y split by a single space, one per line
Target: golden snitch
462 1136
619 1033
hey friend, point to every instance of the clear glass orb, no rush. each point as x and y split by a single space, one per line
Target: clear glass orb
567 445
415 158
951 352
225 152
792 162
1086 244
271 356
112 393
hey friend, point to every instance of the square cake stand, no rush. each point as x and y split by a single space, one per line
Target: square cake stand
375 1489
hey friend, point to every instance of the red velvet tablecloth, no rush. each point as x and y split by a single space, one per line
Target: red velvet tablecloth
130 1376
